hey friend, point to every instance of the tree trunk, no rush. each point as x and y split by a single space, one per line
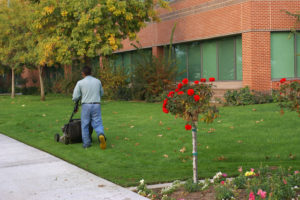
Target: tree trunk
12 83
41 83
195 154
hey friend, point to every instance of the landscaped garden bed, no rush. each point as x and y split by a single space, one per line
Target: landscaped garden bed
262 183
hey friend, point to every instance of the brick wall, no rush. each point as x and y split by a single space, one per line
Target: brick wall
205 19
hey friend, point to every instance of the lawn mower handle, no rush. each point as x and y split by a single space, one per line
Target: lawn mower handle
75 110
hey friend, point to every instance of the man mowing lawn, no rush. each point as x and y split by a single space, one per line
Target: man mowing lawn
90 90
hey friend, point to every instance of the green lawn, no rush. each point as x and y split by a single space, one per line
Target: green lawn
145 143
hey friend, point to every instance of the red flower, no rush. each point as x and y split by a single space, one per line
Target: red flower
185 81
179 85
196 82
282 80
196 97
171 94
222 182
177 89
212 79
180 92
190 92
165 110
165 103
188 127
203 80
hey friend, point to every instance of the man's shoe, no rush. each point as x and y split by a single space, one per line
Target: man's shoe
102 141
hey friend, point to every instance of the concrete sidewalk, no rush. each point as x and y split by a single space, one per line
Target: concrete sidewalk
27 173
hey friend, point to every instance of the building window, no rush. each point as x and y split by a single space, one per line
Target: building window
128 60
219 58
284 50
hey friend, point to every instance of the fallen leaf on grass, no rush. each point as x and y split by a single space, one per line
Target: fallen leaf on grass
211 130
153 151
126 138
221 158
160 123
169 128
257 122
253 109
291 156
106 128
159 135
112 146
166 156
137 144
240 141
207 147
117 137
232 127
182 150
183 161
115 112
23 105
219 121
150 117
140 135
44 115
131 126
12 102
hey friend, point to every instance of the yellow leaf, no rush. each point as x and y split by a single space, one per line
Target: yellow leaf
166 156
182 150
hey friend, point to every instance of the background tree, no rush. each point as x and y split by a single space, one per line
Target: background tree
70 29
14 32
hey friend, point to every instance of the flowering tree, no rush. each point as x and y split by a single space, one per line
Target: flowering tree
289 96
189 100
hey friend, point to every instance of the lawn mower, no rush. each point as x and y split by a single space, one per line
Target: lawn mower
72 130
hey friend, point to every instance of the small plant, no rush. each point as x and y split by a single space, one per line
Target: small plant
170 189
289 96
189 100
224 192
190 186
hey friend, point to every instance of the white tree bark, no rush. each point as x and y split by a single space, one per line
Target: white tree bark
195 154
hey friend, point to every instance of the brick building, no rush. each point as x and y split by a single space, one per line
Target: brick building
239 42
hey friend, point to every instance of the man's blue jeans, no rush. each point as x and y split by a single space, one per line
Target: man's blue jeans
90 113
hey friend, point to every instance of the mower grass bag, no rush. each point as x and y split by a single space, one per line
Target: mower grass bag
72 130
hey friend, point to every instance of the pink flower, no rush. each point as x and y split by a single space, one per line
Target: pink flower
185 81
190 92
282 80
222 182
251 196
196 82
211 79
296 172
262 194
252 170
240 169
284 181
224 175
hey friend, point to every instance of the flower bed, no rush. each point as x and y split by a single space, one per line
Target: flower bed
263 183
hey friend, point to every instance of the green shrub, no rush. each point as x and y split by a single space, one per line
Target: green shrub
223 192
289 96
245 96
